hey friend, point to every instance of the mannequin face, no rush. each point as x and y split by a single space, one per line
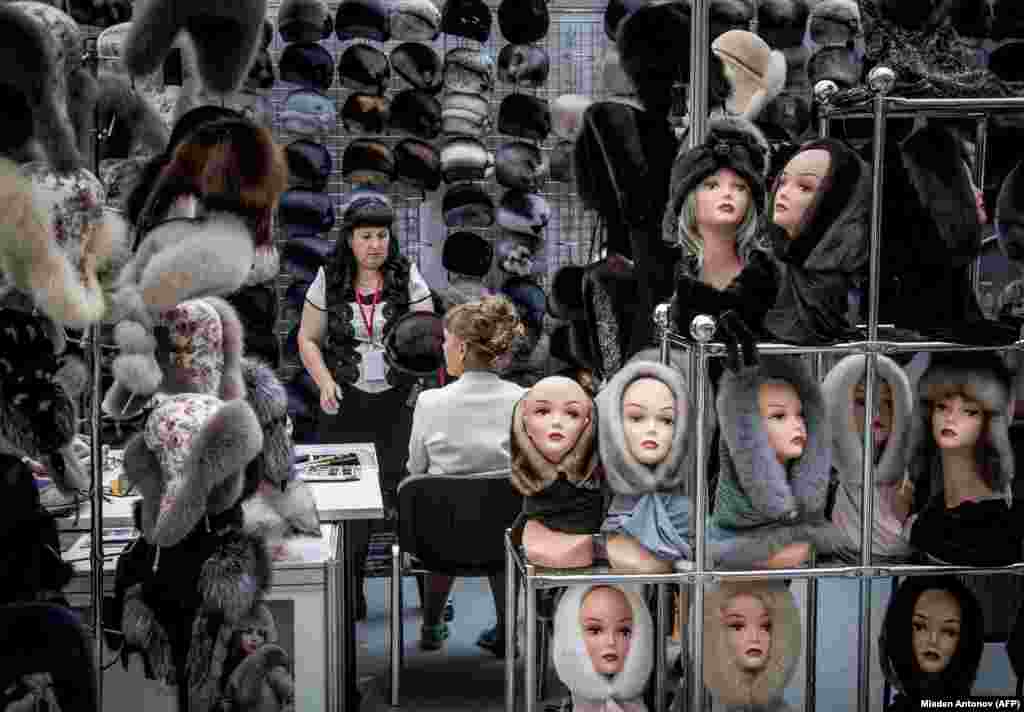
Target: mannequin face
957 423
936 624
799 183
251 639
556 412
370 247
454 354
648 419
722 200
783 420
607 621
881 426
748 631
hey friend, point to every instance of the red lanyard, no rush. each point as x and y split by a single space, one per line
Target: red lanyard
368 323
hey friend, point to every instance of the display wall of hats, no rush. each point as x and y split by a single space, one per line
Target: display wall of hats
468 90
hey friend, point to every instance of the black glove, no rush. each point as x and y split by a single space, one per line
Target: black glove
739 340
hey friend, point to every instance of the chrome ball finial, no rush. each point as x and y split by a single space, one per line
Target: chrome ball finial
661 315
702 328
881 80
825 90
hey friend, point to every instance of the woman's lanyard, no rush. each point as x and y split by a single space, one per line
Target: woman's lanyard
368 321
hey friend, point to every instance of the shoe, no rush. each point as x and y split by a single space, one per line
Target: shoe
493 642
432 637
449 611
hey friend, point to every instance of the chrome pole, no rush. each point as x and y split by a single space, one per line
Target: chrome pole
978 170
510 625
663 628
700 47
395 623
530 656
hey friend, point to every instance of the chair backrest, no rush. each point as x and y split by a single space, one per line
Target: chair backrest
455 524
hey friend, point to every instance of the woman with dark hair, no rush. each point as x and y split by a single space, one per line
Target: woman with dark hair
932 639
366 285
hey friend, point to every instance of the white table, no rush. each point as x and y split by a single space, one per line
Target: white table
336 502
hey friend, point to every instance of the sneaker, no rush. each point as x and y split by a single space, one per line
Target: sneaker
493 642
432 637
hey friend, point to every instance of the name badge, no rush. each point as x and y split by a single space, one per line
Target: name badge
376 370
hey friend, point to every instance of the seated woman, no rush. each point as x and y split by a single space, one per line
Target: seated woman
844 399
464 428
751 644
932 640
962 463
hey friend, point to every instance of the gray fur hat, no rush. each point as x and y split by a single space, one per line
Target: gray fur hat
624 474
223 66
728 684
135 125
188 462
266 395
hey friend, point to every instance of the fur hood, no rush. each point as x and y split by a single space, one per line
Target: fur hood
532 473
573 664
895 646
727 684
982 377
847 445
625 475
749 461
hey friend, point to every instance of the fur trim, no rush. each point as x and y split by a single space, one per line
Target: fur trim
774 82
531 473
574 666
847 445
775 494
232 385
266 394
276 513
236 577
26 44
727 683
624 474
136 124
986 382
222 65
210 477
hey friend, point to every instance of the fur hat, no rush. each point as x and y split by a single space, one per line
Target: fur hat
523 213
895 646
1010 215
363 18
304 20
983 377
133 122
367 161
468 70
531 471
467 18
366 113
419 65
308 112
514 257
758 75
572 661
413 344
466 114
57 243
309 164
467 205
467 253
364 68
417 163
523 65
836 22
624 474
565 296
781 23
269 401
519 165
731 687
308 65
415 20
416 112
38 39
652 54
730 143
223 66
188 462
366 206
523 21
465 158
305 211
526 116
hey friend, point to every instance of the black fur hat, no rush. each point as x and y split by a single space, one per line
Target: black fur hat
526 116
304 20
519 165
1007 61
413 344
896 650
305 211
524 65
467 253
363 18
730 143
416 112
1010 215
419 65
781 23
654 52
364 68
417 163
523 21
302 256
368 161
309 164
366 206
467 205
467 18
307 64
565 296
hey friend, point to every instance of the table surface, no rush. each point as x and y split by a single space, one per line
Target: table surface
335 501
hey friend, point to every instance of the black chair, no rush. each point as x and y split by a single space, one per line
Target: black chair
447 524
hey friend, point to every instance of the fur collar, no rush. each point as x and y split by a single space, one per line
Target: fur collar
625 475
847 445
748 458
727 684
532 473
574 666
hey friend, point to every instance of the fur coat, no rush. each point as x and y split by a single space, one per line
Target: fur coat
592 691
761 506
733 689
888 537
818 269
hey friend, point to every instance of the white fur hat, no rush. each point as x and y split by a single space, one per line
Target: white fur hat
756 72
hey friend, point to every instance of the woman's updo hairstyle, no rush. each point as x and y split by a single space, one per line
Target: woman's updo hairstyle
488 327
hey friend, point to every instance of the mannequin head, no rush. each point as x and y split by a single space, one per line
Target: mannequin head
798 187
936 629
703 213
958 422
782 418
748 631
606 618
648 417
881 425
555 412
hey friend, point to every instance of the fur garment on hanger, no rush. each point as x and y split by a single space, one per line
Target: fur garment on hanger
591 691
889 539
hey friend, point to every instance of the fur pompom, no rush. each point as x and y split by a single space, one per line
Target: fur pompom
134 338
140 373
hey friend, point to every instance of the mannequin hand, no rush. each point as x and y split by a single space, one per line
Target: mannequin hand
330 397
741 346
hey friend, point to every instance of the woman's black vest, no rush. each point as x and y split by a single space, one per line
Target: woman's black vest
339 349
